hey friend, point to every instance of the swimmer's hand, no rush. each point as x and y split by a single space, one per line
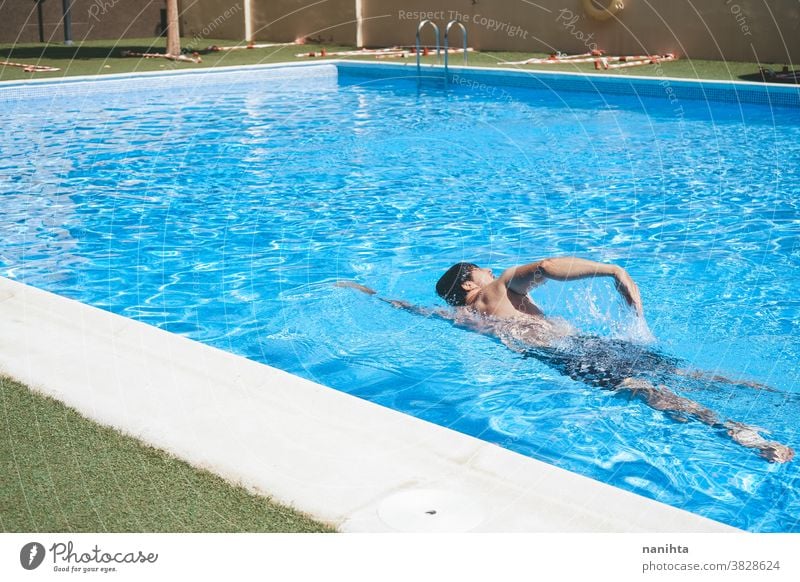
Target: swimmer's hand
400 304
352 285
628 289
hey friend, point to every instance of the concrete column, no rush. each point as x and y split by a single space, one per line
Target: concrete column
248 21
67 21
359 25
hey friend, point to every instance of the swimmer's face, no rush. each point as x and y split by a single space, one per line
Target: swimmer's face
481 277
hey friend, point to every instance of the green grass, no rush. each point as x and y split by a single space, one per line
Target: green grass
62 472
104 57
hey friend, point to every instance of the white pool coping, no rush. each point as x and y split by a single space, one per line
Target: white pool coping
345 461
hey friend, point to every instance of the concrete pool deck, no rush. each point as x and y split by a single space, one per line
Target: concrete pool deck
345 461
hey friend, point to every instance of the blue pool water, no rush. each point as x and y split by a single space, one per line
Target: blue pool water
225 210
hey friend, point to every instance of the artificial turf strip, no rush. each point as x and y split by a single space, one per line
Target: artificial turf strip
64 473
101 57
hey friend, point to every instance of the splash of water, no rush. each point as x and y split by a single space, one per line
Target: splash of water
602 311
634 329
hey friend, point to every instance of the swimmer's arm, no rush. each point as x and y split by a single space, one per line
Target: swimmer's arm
523 278
417 310
399 303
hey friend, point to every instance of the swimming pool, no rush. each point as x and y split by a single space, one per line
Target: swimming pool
229 218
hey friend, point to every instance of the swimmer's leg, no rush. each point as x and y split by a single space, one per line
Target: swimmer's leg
662 398
698 375
748 436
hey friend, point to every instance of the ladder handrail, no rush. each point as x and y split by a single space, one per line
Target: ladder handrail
438 45
446 44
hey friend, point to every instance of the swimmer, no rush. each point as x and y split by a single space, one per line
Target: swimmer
500 306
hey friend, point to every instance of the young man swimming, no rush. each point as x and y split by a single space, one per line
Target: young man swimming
500 306
506 297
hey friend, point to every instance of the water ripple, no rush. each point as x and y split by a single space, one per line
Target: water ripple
229 218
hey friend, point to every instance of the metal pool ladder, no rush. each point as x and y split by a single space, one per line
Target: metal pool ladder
446 42
447 45
438 46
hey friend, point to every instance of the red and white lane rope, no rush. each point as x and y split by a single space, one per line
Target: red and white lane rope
598 58
383 53
636 61
30 68
195 58
558 58
214 48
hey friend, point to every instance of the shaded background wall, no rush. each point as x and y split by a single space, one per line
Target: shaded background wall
736 30
285 20
91 19
745 30
332 21
212 19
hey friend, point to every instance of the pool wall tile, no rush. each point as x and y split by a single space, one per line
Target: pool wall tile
191 81
658 87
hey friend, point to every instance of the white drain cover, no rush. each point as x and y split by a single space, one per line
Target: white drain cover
431 510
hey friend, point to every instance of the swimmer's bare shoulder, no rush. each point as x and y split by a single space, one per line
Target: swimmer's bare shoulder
506 296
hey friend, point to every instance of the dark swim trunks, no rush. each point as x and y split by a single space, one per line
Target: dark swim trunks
603 362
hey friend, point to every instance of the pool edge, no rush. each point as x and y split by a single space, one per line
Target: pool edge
329 454
661 86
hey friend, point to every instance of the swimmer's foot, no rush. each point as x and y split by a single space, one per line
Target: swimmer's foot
750 438
777 453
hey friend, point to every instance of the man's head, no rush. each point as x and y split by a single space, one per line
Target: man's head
459 280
